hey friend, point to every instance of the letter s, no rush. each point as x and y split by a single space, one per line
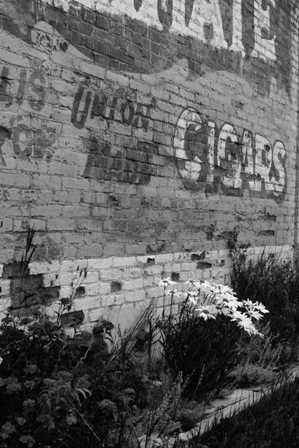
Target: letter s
279 158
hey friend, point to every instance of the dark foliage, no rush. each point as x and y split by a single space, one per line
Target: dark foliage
270 423
64 392
202 351
275 283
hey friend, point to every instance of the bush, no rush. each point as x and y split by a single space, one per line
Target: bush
260 359
272 422
275 283
58 391
200 342
203 351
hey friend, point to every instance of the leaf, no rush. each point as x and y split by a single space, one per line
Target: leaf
71 419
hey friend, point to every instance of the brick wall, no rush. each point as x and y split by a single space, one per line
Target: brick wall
137 137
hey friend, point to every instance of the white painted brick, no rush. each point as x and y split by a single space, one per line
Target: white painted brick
111 274
54 266
151 281
207 273
73 265
92 289
143 259
169 267
154 269
86 303
164 258
99 263
135 296
113 299
124 261
94 315
39 268
91 277
181 256
132 273
188 266
68 266
4 304
65 278
153 292
104 288
133 284
65 291
44 267
187 275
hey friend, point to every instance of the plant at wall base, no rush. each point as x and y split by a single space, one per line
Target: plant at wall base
29 251
275 283
57 390
40 394
261 360
71 392
200 341
65 304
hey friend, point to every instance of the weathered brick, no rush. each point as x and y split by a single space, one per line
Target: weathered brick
111 274
113 299
135 296
133 284
123 261
100 263
86 303
91 277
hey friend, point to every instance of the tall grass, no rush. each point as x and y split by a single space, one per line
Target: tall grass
274 282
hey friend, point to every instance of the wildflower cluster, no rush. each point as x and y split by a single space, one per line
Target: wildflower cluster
211 300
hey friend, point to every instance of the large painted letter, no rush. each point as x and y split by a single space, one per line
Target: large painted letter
206 23
279 169
191 167
229 156
264 39
165 13
237 44
263 161
79 113
247 156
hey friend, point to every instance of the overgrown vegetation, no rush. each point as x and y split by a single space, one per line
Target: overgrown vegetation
275 283
204 341
113 390
272 422
260 360
61 391
203 351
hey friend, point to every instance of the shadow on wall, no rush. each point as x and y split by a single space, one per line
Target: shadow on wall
27 291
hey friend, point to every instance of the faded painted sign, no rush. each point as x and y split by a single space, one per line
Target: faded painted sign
120 105
30 137
210 21
132 165
210 157
18 84
251 38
